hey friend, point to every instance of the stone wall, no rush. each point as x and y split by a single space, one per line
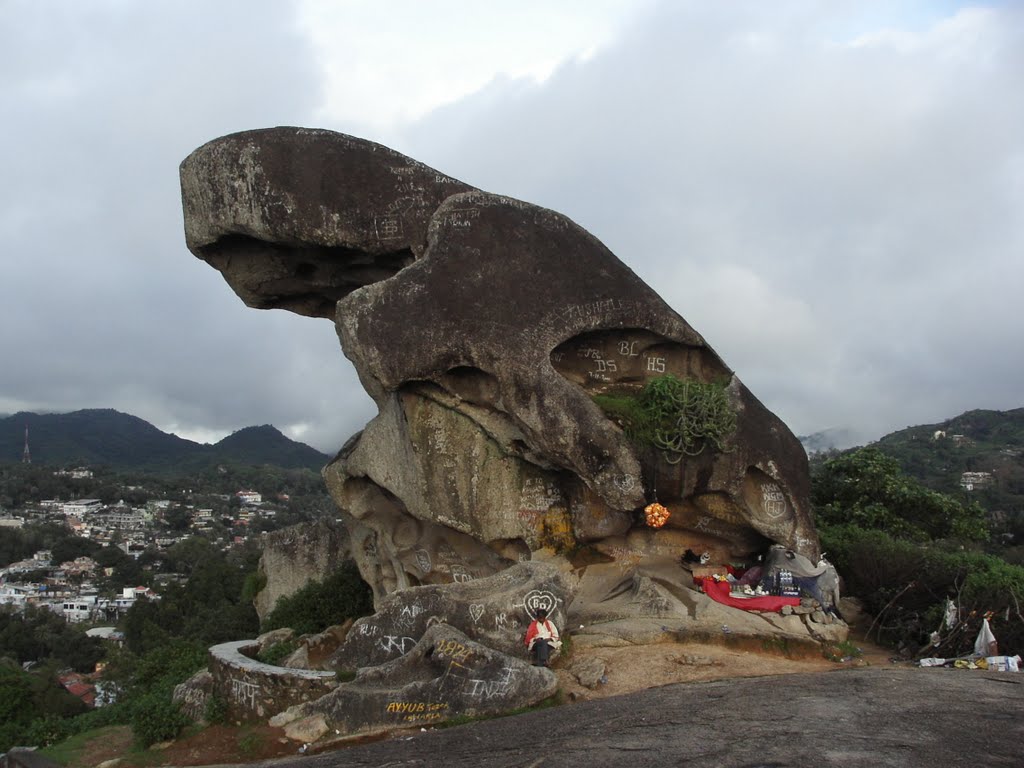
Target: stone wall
254 690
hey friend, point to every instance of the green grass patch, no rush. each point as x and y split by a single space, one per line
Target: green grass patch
842 650
67 752
251 744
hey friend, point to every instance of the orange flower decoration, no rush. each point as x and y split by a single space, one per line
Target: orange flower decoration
656 514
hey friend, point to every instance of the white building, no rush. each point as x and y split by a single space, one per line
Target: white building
81 507
79 608
16 594
79 473
971 480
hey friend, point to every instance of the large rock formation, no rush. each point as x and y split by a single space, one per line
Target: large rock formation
495 611
483 327
295 556
444 675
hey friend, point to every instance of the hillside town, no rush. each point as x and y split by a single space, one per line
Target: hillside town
79 589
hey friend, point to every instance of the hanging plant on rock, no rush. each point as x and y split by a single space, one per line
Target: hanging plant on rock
679 417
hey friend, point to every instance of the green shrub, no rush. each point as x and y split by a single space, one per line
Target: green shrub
251 743
319 605
118 713
254 584
278 652
168 665
866 488
156 718
48 730
841 650
679 417
216 711
906 584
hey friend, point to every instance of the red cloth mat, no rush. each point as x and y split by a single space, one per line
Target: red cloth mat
719 591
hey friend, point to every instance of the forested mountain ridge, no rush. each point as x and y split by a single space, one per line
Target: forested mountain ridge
122 441
976 441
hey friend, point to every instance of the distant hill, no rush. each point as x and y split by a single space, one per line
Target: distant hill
266 445
119 440
975 441
829 440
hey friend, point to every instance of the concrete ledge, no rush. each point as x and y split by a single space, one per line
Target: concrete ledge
254 690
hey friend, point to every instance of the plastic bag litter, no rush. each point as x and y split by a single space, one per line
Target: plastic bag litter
1003 663
985 644
951 615
932 662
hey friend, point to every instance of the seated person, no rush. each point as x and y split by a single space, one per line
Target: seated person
541 637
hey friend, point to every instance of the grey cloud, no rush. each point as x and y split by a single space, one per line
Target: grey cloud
839 220
102 304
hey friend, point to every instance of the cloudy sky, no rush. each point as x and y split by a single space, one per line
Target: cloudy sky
832 193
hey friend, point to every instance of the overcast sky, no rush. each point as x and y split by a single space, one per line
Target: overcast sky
832 193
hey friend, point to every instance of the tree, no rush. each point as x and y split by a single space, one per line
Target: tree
37 634
73 547
318 605
867 489
208 608
178 518
27 698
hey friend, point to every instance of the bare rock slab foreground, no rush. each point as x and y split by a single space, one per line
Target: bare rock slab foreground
852 718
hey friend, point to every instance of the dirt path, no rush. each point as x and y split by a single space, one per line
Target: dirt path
635 668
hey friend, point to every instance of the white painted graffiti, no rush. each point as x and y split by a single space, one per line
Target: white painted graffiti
368 630
594 308
476 611
423 560
408 614
656 364
244 692
460 218
387 227
774 500
489 689
625 483
395 644
537 599
501 621
628 349
540 495
460 575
